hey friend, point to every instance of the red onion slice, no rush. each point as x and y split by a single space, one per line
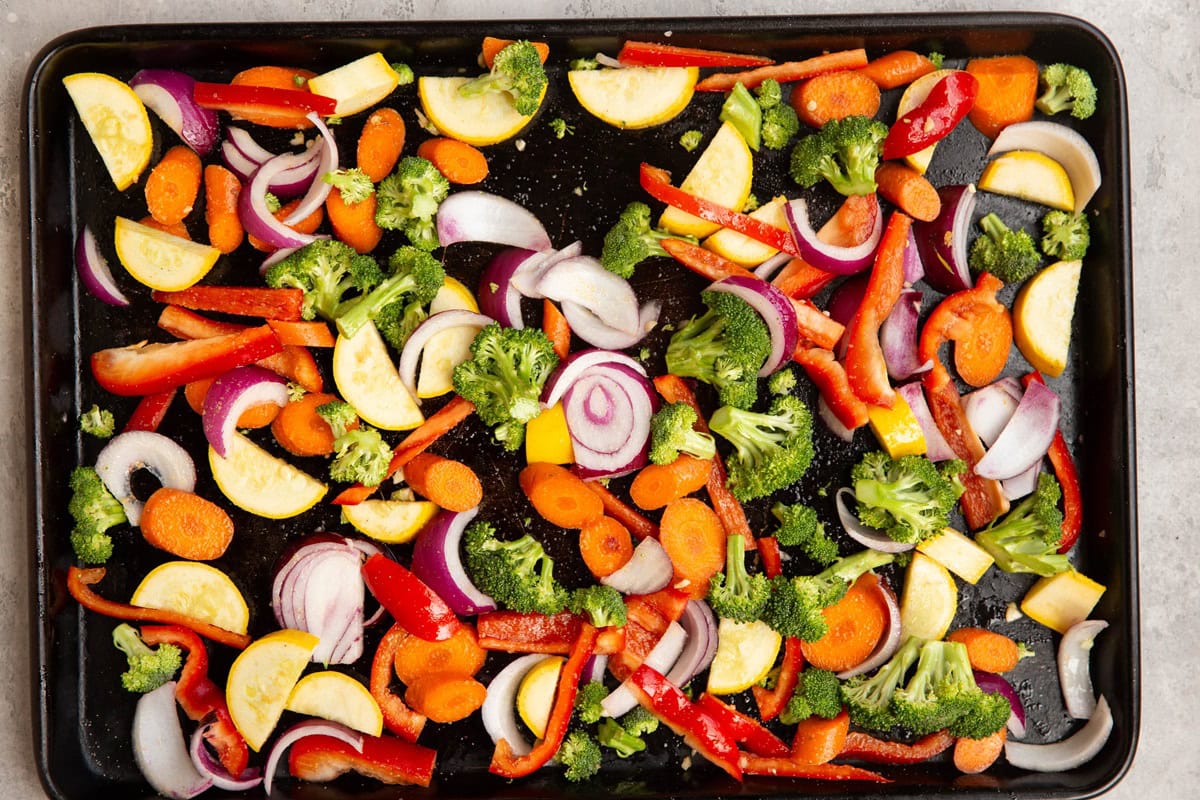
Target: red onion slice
661 657
898 337
233 393
432 326
318 190
832 422
777 312
93 270
914 267
648 570
169 94
889 643
126 453
1022 485
484 217
1074 667
1026 437
1069 753
436 560
498 297
942 244
594 331
619 445
829 257
700 648
252 204
990 408
159 747
992 683
767 269
498 712
529 273
846 298
595 668
584 281
241 139
936 446
211 768
863 534
237 161
576 365
319 589
301 730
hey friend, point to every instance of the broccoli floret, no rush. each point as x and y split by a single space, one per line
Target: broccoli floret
504 378
272 202
639 722
517 70
869 700
987 713
94 510
795 605
360 454
768 94
724 347
408 198
690 140
353 184
632 240
817 693
672 433
98 422
773 450
404 72
615 737
1065 235
603 605
583 64
908 498
779 124
782 382
588 699
742 111
517 574
295 392
561 128
844 152
149 668
734 594
325 270
1026 540
751 203
338 415
415 279
799 527
942 693
580 754
1010 255
937 59
1068 88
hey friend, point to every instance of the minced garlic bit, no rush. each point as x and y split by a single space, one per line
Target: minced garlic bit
520 145
1012 613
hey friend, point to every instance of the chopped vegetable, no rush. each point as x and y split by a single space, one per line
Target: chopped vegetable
1027 539
734 594
602 605
672 432
397 305
795 605
587 703
580 754
799 527
632 240
1065 236
774 449
408 199
149 668
690 140
725 347
1010 255
94 510
354 185
98 422
817 694
612 735
325 270
742 111
360 453
517 70
909 498
517 574
942 694
844 152
1068 88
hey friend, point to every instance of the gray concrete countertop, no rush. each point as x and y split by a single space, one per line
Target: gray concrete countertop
1158 45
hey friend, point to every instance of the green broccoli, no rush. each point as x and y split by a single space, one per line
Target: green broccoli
94 510
408 199
98 422
751 203
580 754
799 527
1027 538
602 605
561 128
272 202
937 59
817 693
1010 255
782 382
734 594
844 152
360 454
741 110
353 184
588 699
504 378
1068 88
795 605
404 72
325 270
632 240
612 735
768 94
517 574
583 64
779 120
773 450
517 70
414 281
639 722
690 140
908 498
942 693
869 699
149 668
725 347
672 432
1065 236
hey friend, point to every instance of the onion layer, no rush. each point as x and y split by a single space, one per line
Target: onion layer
484 217
234 392
898 337
498 712
1069 753
159 747
989 409
529 273
777 312
436 561
432 326
211 768
608 411
319 589
648 570
829 257
1026 437
128 452
661 657
169 94
584 281
594 331
1074 667
318 190
993 683
936 446
93 270
700 648
576 364
942 244
498 297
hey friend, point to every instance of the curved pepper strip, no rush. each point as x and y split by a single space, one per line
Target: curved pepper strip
383 758
978 324
823 368
533 632
951 99
1068 479
80 579
744 730
411 602
507 765
864 747
240 98
771 702
768 553
150 412
199 696
652 54
786 768
397 717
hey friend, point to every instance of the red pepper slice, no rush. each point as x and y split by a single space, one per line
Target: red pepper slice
768 551
657 183
241 98
243 301
744 730
199 696
622 512
652 54
150 411
701 730
385 758
1068 479
80 579
786 72
980 327
397 716
142 369
517 632
409 600
800 280
772 702
786 768
864 747
704 262
508 765
947 103
816 326
830 377
865 366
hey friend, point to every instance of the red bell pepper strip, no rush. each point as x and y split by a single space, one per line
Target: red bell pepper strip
150 411
639 641
242 301
199 696
980 327
517 632
771 702
239 98
622 512
1068 479
768 551
409 600
397 716
704 262
816 326
830 377
303 334
142 369
787 72
744 730
657 183
947 103
865 365
508 765
800 280
652 54
787 768
80 579
383 758
865 747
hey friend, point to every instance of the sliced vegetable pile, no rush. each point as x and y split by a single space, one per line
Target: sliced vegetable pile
847 644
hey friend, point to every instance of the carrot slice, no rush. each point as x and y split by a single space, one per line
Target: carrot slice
302 334
449 484
300 430
354 223
221 191
460 162
380 143
445 697
656 485
987 650
897 68
173 185
1007 90
975 755
555 326
458 655
492 46
561 497
186 525
909 190
818 741
605 545
836 95
856 623
694 538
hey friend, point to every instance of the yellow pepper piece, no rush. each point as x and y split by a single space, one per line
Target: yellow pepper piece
897 429
547 438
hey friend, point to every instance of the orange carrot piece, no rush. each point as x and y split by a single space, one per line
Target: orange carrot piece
909 190
988 651
460 162
173 185
445 697
638 525
300 430
177 229
306 225
259 416
605 545
897 68
560 496
276 78
302 334
449 484
380 143
555 326
975 755
186 525
856 623
836 95
1007 90
354 223
694 538
818 741
656 485
460 655
492 45
786 72
221 191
